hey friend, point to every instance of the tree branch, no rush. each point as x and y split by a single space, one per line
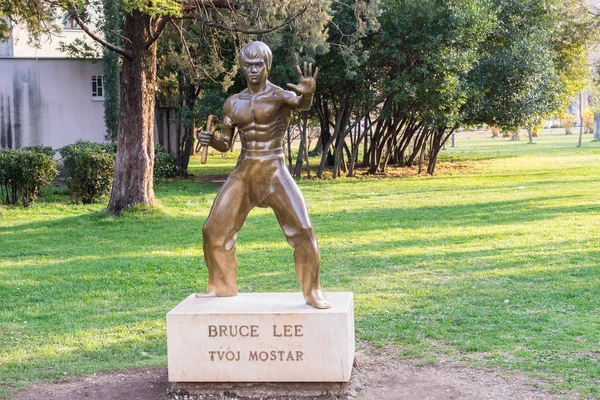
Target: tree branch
195 4
241 30
187 50
97 38
160 27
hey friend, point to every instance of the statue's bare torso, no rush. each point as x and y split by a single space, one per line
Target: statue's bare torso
262 118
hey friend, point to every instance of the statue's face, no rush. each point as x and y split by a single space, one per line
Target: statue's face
255 70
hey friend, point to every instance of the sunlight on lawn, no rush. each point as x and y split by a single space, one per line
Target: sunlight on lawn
497 265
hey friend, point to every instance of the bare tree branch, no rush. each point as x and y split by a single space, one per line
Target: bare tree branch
197 4
103 42
160 27
242 30
187 50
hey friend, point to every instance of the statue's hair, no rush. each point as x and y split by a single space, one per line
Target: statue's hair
256 50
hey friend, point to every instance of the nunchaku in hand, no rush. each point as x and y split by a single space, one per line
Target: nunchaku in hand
205 137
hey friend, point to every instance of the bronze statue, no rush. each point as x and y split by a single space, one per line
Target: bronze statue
261 113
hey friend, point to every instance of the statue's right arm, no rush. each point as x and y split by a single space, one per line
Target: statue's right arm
222 141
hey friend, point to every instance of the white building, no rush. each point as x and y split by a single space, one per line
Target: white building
47 98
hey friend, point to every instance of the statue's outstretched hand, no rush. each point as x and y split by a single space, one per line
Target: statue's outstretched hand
308 81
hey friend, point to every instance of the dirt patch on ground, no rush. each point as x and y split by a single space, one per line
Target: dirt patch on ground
134 384
378 375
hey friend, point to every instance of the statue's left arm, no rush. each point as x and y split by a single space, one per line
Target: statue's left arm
306 87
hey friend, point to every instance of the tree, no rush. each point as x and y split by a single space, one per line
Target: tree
344 87
143 23
423 51
533 62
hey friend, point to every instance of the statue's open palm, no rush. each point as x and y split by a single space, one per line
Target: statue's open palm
308 81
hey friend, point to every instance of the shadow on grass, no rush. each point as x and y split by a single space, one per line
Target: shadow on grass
158 230
78 281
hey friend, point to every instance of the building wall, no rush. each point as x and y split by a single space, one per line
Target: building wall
49 102
49 46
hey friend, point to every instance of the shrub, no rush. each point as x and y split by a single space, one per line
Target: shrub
109 147
165 165
588 121
90 167
47 150
23 173
569 121
10 176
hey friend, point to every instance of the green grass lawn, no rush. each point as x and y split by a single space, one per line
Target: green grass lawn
498 266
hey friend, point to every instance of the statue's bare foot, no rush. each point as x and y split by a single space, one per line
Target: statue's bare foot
316 298
206 294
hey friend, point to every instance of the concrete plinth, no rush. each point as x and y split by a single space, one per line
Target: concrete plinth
261 337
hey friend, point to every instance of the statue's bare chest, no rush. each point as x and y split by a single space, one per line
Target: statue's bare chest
262 109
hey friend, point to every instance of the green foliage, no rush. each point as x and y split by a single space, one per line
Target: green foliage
79 48
90 167
344 63
426 49
4 29
111 65
533 62
198 64
24 172
435 65
153 8
112 28
165 165
47 150
36 15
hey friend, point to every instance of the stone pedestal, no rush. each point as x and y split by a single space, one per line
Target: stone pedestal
261 337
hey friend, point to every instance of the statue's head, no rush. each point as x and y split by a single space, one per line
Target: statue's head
255 61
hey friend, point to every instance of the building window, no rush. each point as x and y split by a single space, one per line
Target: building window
97 87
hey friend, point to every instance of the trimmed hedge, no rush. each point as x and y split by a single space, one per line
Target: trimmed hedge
90 167
24 172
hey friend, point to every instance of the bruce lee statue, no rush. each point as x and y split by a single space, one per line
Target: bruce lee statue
261 113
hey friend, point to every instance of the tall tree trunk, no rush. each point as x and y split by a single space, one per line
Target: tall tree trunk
338 127
438 141
289 147
418 145
530 135
422 155
186 150
596 127
322 107
303 145
580 118
307 145
133 180
365 159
